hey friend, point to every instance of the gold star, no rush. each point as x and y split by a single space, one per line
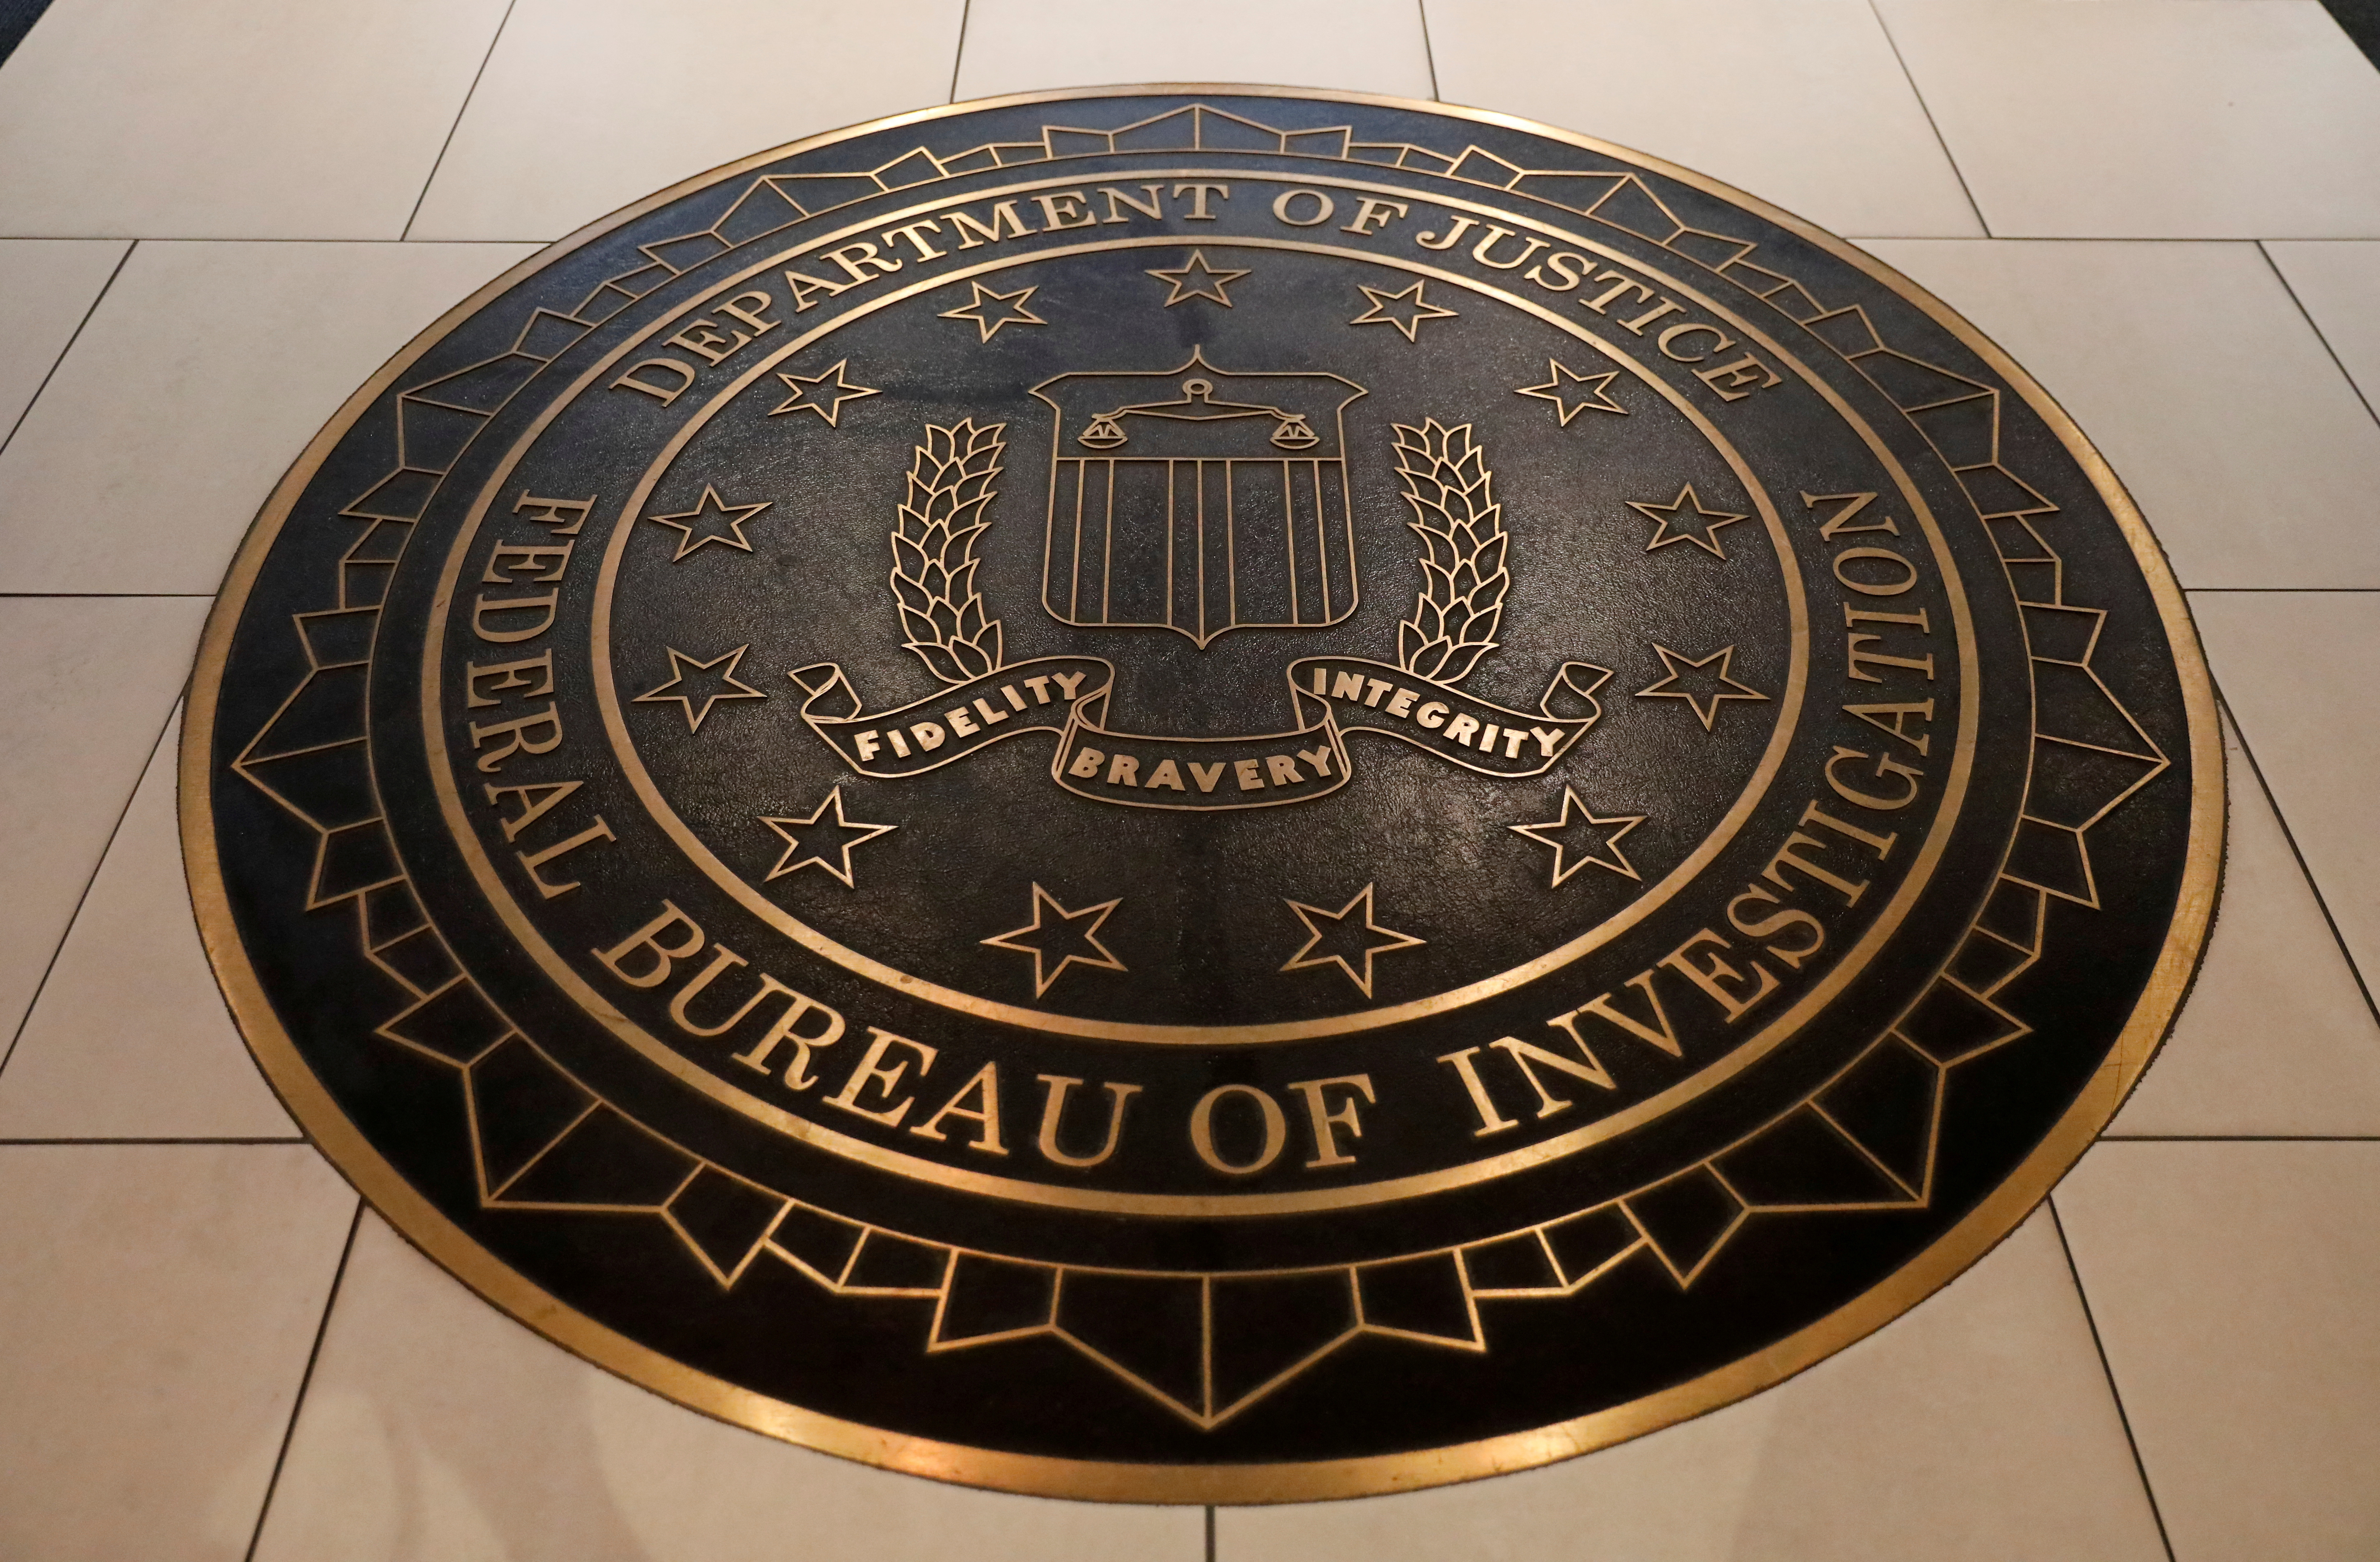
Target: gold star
1010 310
825 400
1577 817
1346 934
1568 404
728 689
1407 320
1702 530
1194 278
1706 704
1055 929
713 519
834 855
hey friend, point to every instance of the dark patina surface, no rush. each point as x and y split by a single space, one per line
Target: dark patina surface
1200 796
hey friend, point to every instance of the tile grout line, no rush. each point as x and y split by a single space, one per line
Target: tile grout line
2305 870
33 1000
1429 58
2240 1139
2108 1369
1211 1532
2309 590
101 596
958 54
2283 278
464 107
117 271
120 1142
305 1383
1927 110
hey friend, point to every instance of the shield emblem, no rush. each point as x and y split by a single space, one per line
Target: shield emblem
1199 500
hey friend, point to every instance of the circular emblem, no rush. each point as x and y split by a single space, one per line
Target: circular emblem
1202 795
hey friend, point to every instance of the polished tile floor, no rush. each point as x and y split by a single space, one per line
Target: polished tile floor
216 218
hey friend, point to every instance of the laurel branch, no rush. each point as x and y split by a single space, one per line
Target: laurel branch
1464 580
934 550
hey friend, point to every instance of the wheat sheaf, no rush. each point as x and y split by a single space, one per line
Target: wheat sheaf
1462 527
934 560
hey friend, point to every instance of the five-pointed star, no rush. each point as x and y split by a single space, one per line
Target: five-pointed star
1701 528
1578 835
724 688
1342 938
813 393
1594 395
1057 938
1716 686
1194 278
990 310
830 839
713 519
1407 319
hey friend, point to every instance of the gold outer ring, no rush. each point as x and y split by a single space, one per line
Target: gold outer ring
1982 1230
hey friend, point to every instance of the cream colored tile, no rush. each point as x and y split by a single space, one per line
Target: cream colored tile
1362 46
436 1429
2277 1038
2199 379
1980 1426
129 1038
85 686
238 119
200 376
156 1311
2232 1284
46 287
2339 284
2297 669
2150 118
1867 164
590 105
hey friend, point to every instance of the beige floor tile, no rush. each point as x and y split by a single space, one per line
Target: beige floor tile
1978 1427
2299 669
46 287
2339 284
590 105
151 1354
437 1430
1868 164
85 686
2276 1037
238 119
2232 1284
2199 379
130 1003
2150 118
1361 45
200 376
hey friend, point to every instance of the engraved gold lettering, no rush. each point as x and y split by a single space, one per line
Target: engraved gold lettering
1490 1120
635 378
1326 1119
501 676
648 939
984 1089
1713 974
1202 1130
1198 194
1053 1111
872 1074
1371 215
1323 208
554 512
532 862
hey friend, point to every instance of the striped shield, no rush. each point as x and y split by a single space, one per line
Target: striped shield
1199 501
